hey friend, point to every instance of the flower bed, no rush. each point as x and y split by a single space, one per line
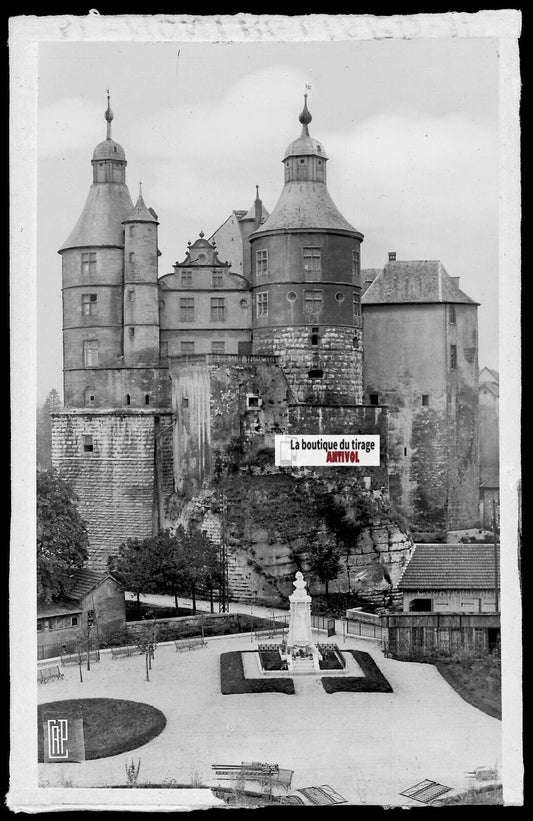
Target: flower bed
271 660
372 680
331 658
111 726
232 681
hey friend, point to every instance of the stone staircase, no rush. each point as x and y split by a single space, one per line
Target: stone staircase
302 666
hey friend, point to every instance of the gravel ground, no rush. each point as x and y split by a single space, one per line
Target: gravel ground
367 746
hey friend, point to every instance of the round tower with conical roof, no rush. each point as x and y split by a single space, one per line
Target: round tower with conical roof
306 282
141 295
93 272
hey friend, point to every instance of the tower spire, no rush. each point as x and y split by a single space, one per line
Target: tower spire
305 118
109 116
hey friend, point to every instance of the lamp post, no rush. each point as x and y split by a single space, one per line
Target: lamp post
90 622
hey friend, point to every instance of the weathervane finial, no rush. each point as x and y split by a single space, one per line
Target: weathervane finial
109 116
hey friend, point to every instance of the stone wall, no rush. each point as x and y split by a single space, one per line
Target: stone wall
116 480
336 356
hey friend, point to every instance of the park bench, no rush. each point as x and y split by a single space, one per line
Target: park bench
44 674
130 650
74 658
265 774
269 632
190 643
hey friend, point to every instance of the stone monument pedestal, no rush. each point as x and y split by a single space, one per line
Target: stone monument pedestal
301 652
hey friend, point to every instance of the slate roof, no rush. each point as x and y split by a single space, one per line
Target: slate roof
141 213
414 281
449 567
82 582
100 223
305 204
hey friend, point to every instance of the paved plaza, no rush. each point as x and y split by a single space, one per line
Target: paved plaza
366 746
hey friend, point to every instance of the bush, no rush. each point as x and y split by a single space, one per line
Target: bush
372 680
232 681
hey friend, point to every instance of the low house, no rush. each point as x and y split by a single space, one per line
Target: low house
450 578
91 600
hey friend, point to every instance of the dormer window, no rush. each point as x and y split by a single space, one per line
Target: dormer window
218 279
186 279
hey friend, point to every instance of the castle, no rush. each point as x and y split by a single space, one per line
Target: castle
269 326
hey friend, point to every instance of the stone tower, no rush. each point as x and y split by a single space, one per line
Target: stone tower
113 438
306 282
93 270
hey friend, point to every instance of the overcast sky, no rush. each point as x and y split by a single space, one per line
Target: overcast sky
410 128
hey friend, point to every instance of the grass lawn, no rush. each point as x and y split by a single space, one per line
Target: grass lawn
373 680
476 680
111 726
232 681
483 795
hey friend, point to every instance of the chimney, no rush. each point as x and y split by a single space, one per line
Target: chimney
392 256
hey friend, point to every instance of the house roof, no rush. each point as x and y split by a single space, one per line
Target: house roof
449 566
494 375
414 281
492 387
47 609
82 582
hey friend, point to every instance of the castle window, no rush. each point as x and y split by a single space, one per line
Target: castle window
132 333
425 399
315 339
88 262
339 296
356 304
261 259
185 402
128 399
87 442
315 373
131 296
89 397
253 401
132 256
312 302
453 357
451 315
163 350
132 230
302 161
218 309
90 353
356 261
187 347
89 304
373 398
147 399
262 304
186 279
312 260
186 309
218 347
355 342
291 296
218 279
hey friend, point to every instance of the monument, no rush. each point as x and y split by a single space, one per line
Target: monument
301 652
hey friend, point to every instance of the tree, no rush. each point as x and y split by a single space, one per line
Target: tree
324 559
132 565
44 429
201 560
167 565
62 539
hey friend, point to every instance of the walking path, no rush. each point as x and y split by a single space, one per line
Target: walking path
367 746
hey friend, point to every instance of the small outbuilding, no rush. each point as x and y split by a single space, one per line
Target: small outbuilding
90 599
450 578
